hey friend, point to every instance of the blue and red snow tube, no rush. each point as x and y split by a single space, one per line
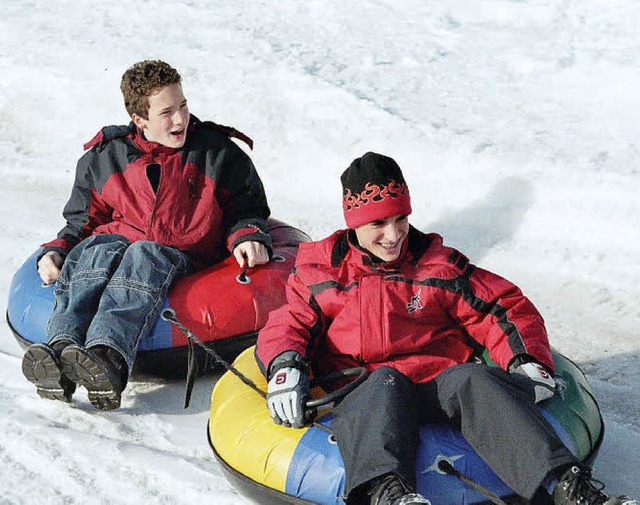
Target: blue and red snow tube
223 312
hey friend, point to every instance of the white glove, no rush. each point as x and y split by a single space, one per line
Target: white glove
545 385
287 394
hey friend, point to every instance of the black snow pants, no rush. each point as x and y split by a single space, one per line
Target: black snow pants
376 426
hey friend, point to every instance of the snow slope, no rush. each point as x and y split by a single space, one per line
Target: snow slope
515 123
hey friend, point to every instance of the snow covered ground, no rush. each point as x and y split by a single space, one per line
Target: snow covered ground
516 124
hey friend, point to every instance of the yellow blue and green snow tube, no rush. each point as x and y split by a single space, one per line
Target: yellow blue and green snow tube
274 464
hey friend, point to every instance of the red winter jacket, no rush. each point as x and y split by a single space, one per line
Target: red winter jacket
203 199
420 314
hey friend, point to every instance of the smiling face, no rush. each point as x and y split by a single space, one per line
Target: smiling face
168 117
384 237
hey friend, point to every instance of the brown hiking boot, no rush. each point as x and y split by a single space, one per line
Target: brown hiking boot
42 367
101 370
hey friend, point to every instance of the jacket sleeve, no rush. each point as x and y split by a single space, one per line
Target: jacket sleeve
84 211
244 201
292 327
495 313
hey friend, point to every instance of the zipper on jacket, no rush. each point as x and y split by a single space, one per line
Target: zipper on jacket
153 174
150 231
372 335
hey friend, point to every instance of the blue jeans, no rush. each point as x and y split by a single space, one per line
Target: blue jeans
111 291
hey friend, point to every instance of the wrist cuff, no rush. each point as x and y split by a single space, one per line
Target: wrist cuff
291 359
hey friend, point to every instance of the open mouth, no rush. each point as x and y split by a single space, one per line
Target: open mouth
178 133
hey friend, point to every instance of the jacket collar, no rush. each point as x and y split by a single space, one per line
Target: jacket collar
413 249
154 148
347 244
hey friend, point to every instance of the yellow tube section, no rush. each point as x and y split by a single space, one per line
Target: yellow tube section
242 431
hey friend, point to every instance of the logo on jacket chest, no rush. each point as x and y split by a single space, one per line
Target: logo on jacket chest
415 303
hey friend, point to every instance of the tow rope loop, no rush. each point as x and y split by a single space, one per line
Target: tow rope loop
242 277
170 316
448 468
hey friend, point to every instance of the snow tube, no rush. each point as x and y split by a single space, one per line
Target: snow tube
224 311
272 464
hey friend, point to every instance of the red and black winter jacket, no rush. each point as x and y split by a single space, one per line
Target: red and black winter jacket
203 199
420 314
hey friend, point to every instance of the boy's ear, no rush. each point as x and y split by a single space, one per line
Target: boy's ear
139 121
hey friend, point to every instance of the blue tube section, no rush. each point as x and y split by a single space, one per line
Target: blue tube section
316 472
30 305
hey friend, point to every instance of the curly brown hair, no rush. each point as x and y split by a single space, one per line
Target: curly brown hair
142 80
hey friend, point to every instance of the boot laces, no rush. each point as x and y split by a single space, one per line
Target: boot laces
581 486
392 490
388 490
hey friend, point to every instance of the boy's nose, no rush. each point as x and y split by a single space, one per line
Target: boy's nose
179 118
391 233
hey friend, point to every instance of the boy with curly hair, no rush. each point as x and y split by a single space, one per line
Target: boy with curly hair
151 201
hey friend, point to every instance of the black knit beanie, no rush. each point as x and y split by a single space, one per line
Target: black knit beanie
373 188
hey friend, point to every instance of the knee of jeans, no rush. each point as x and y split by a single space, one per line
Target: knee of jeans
141 250
155 253
99 253
142 246
98 245
104 240
146 249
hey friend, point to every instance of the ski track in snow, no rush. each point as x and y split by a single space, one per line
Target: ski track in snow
515 123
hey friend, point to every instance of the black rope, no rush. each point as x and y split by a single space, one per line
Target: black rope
170 316
448 468
192 372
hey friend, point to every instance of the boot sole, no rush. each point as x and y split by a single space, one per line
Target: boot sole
42 368
82 367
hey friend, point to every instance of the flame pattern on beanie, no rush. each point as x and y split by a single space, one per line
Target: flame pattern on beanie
373 189
373 193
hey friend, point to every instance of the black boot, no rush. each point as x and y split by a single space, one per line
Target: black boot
391 490
101 369
577 487
41 366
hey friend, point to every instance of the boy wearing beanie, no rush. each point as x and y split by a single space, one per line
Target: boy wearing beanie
385 296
